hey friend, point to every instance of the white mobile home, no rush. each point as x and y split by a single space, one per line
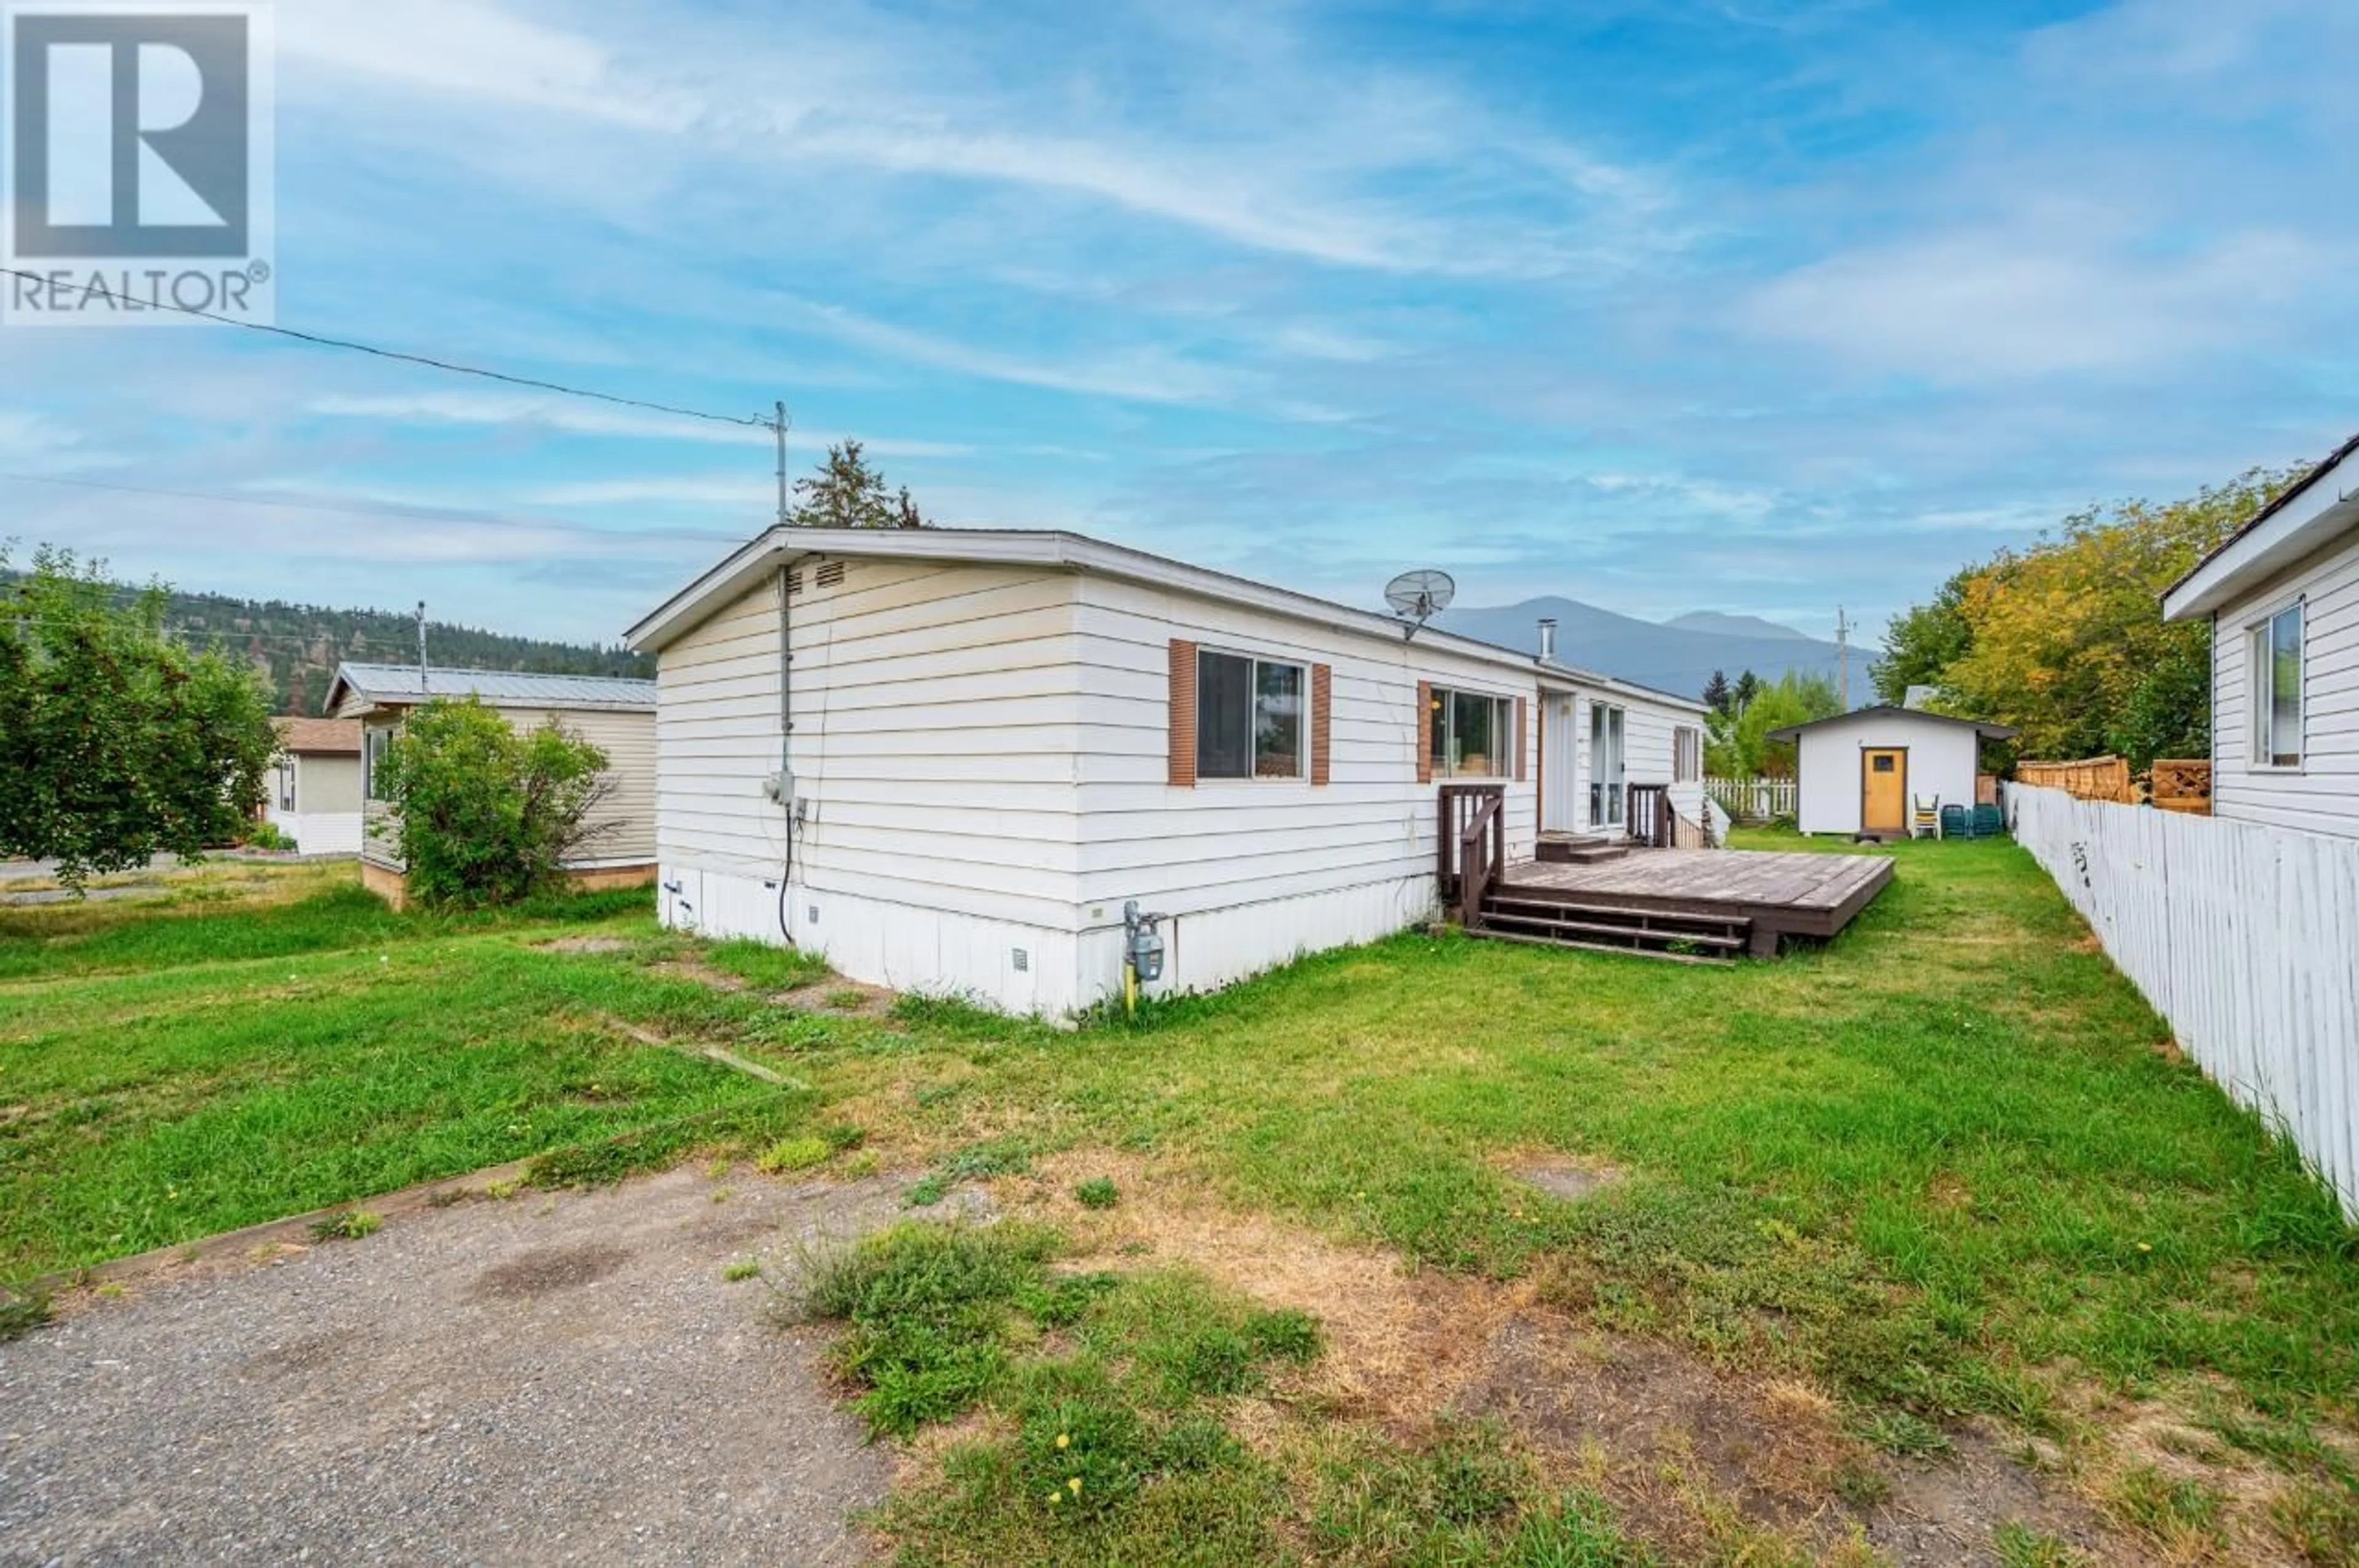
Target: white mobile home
618 716
1861 773
947 758
315 786
2282 598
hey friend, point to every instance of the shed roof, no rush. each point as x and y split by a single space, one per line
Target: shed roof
319 737
401 686
1055 548
1905 715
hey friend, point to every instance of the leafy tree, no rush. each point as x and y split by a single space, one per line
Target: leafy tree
1923 641
1716 694
1741 747
117 742
845 492
483 815
2068 641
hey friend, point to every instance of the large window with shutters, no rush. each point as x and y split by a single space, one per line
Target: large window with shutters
1471 736
1251 718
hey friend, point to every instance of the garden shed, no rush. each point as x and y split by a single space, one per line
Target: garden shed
1858 772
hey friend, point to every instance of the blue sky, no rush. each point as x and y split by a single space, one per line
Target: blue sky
1754 304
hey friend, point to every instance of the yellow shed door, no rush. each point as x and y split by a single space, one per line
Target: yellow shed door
1884 790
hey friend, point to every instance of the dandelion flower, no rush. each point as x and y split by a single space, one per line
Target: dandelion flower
1056 1497
1076 1484
2146 1246
1064 1440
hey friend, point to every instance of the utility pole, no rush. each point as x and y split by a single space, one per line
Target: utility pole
421 649
1842 655
778 424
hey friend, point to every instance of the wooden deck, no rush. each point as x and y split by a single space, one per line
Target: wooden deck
1781 894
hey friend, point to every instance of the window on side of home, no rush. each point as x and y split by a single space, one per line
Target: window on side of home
372 745
2277 648
1686 754
1250 717
286 784
1471 736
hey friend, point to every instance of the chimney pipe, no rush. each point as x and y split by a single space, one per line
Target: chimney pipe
1547 639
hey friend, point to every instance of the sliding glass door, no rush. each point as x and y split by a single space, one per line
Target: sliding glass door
1605 770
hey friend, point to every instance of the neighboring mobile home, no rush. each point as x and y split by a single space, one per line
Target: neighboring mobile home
947 758
616 716
1860 773
315 786
2282 597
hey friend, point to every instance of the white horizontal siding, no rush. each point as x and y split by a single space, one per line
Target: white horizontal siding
627 815
936 718
1228 842
2322 794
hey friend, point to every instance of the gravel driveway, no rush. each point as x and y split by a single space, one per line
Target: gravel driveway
536 1380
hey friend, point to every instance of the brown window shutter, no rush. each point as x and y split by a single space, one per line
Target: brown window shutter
1322 725
1520 747
1424 738
1183 714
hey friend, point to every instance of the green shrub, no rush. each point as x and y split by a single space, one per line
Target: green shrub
269 836
482 815
1098 1192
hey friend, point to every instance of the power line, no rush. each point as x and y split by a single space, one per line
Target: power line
380 509
431 362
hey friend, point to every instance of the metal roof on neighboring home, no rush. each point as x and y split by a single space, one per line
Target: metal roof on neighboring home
319 737
1885 710
396 686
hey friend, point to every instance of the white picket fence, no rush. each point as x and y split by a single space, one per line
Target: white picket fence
2244 937
1753 800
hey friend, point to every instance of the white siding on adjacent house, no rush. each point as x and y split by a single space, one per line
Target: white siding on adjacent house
2322 794
627 815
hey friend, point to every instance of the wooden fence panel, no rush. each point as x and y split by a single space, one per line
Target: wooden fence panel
2242 936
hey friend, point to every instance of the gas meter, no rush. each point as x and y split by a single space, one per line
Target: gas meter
1142 943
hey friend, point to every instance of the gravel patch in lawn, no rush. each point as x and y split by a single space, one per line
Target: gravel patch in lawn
543 1379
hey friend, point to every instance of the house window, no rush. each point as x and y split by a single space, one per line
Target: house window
2276 690
1249 715
1686 754
1470 736
372 745
287 783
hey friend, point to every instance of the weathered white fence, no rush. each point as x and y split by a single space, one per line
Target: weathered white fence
1753 800
2246 937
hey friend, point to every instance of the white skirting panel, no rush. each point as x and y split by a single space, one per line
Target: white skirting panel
1218 948
320 832
1019 967
1015 968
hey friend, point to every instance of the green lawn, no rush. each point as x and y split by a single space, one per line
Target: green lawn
1945 1167
168 1072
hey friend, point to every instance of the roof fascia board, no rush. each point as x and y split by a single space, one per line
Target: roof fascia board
2307 518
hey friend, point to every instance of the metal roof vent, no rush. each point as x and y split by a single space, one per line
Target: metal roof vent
831 574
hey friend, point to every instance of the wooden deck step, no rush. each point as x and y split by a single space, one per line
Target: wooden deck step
1578 849
1513 903
1651 933
1656 954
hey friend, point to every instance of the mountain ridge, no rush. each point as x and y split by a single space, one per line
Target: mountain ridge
1664 656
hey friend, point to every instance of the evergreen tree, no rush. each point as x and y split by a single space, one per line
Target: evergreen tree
846 492
1748 686
1716 695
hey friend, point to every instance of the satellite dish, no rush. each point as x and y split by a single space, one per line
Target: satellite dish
1417 597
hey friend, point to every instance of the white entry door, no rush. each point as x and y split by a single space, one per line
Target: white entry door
1606 776
1560 764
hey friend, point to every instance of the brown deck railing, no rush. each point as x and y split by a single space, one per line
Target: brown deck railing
1470 846
1650 817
